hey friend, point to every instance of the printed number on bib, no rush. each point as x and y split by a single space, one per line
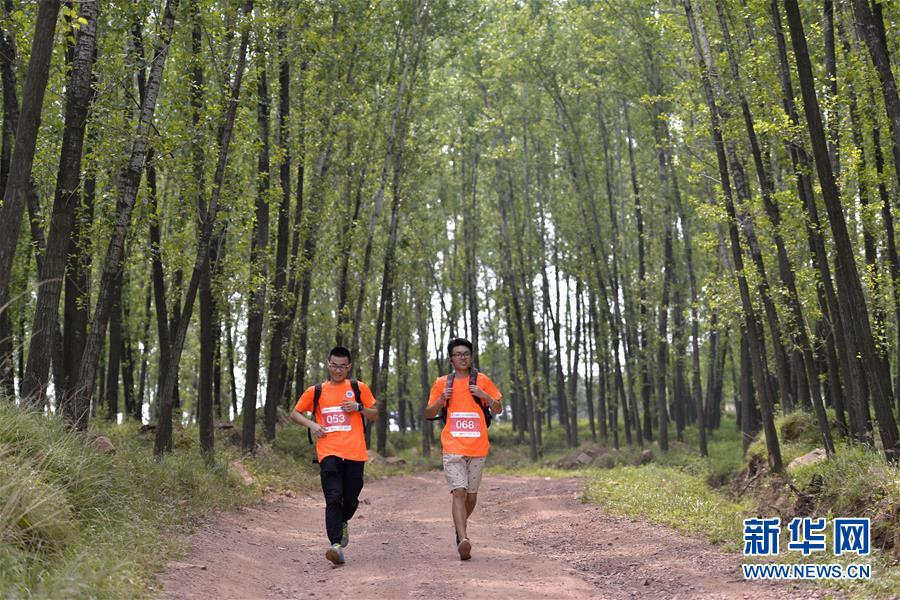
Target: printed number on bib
335 419
465 424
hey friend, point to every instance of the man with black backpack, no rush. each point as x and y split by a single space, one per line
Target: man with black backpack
337 408
465 400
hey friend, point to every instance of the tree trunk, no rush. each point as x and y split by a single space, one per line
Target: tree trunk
79 92
643 369
870 22
573 364
127 361
422 334
392 139
757 351
19 182
848 277
163 440
114 353
386 308
145 354
129 184
840 368
799 332
258 260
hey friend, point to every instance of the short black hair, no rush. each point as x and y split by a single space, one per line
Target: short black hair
340 352
458 342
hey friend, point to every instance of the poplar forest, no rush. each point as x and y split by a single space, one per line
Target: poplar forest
645 215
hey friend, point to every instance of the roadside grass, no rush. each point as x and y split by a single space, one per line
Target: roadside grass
78 523
670 497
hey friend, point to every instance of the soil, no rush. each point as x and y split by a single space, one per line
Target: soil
532 538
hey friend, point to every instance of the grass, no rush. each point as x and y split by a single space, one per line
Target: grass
78 523
669 497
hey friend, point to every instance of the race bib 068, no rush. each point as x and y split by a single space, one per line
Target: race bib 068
465 424
335 419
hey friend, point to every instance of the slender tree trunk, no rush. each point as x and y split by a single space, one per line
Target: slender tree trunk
129 183
643 368
19 182
831 95
870 21
757 352
114 353
386 309
229 344
127 361
145 354
66 199
749 421
163 440
258 260
841 367
602 383
424 380
392 139
799 332
573 365
588 352
848 277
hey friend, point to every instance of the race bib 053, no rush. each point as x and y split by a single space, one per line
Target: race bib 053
335 419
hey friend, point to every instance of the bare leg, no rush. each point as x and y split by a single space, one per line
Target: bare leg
470 503
460 511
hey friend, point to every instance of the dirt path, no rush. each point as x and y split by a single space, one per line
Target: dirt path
532 538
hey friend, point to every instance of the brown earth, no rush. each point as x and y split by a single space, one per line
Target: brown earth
532 538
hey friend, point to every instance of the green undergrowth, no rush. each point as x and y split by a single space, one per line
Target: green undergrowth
75 522
668 496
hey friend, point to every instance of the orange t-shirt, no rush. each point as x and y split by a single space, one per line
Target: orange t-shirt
465 431
344 430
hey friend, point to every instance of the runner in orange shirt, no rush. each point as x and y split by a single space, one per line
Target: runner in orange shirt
338 406
464 438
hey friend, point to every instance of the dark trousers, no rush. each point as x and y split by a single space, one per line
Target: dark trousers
342 481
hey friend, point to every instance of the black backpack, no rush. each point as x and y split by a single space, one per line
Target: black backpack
318 392
473 377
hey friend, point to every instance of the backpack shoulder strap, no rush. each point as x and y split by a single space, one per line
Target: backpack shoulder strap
473 378
316 394
450 377
358 395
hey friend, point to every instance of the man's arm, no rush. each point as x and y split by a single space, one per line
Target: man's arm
432 410
494 405
370 412
314 427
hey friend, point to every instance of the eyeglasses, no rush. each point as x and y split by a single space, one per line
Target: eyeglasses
338 367
461 354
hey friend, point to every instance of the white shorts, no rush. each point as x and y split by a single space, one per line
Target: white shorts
464 471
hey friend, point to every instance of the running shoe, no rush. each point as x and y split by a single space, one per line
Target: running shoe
335 554
465 549
345 535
